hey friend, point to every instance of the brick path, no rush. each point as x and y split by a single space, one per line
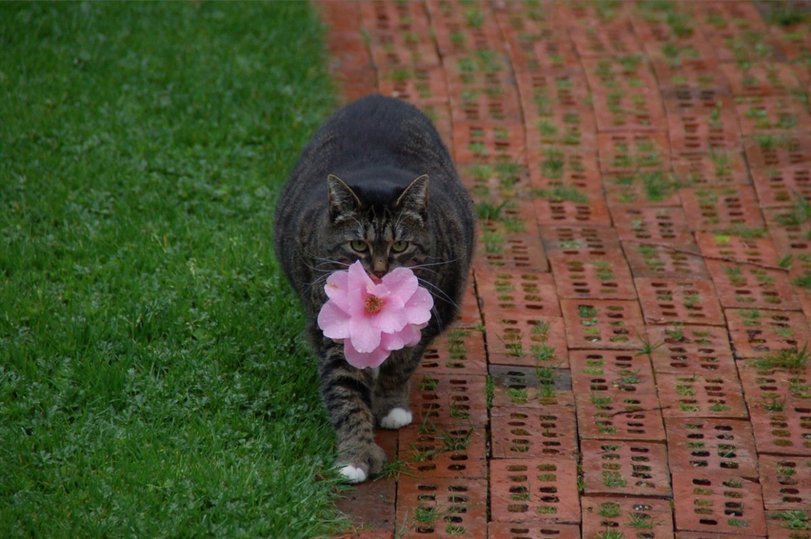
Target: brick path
642 176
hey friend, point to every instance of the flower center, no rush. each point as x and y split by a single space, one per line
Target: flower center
374 304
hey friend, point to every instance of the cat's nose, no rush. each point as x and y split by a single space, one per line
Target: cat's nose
378 273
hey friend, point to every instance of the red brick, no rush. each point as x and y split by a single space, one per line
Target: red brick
481 103
483 142
418 85
781 419
789 236
456 33
371 504
444 400
459 350
771 114
539 529
778 151
658 225
554 169
526 339
616 396
611 371
737 248
691 350
444 451
786 482
558 96
625 468
712 445
394 18
605 40
662 43
524 490
519 291
721 208
750 287
717 503
661 261
625 93
653 188
551 210
506 183
503 250
789 524
758 333
697 77
441 506
699 395
627 517
525 432
629 152
685 300
735 30
784 186
525 387
602 324
716 169
699 133
605 277
760 79
584 241
710 102
469 315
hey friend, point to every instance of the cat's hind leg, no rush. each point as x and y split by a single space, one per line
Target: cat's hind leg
347 394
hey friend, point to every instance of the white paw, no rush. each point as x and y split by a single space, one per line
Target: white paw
352 474
396 418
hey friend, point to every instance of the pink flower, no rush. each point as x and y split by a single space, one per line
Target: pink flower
373 319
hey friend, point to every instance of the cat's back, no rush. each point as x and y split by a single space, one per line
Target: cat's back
375 131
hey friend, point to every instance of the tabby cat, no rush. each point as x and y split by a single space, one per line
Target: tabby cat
375 184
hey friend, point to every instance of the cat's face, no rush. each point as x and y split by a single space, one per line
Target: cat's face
381 236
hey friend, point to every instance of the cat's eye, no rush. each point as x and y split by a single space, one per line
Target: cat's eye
358 246
399 246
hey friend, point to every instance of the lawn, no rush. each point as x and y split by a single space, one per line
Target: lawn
153 376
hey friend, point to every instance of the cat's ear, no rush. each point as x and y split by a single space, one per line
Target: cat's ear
415 197
342 199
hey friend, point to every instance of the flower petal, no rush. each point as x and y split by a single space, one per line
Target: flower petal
401 282
363 360
392 318
333 321
336 289
364 336
418 308
408 336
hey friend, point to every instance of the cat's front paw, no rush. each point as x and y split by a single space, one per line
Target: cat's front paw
396 418
357 465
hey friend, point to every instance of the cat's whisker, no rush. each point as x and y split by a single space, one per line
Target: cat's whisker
440 293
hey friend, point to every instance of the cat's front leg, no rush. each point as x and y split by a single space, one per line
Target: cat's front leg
390 401
347 394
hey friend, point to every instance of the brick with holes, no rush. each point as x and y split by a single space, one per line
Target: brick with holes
677 348
603 324
684 300
626 517
523 490
528 432
786 482
443 507
625 467
711 444
713 502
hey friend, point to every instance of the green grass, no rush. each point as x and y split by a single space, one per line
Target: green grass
153 376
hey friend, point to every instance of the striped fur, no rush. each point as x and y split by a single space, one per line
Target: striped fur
375 184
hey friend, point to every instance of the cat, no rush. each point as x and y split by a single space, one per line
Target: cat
375 184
